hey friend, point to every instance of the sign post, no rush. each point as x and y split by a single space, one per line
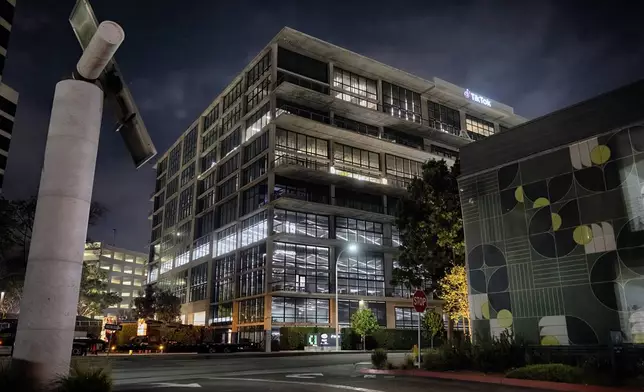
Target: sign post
419 300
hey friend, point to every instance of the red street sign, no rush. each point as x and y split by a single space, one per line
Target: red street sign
419 300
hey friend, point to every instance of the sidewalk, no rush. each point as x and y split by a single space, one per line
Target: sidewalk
499 380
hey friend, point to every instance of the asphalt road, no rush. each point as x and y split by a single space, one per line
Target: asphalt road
327 373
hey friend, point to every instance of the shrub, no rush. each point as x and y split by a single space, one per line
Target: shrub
409 362
555 372
379 358
497 354
84 380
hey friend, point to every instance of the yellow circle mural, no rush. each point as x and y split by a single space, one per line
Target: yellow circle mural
556 221
541 202
582 235
485 309
505 318
600 154
518 194
549 341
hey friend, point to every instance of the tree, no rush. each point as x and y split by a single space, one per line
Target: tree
145 305
167 306
364 323
431 227
432 324
16 226
10 297
453 291
94 294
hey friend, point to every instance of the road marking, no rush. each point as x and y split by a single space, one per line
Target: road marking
305 375
369 376
318 384
172 385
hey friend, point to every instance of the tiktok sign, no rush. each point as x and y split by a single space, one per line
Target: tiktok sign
477 98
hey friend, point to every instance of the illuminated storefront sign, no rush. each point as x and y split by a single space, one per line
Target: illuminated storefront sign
477 98
141 328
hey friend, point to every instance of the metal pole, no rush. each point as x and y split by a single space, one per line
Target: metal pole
49 305
418 340
337 320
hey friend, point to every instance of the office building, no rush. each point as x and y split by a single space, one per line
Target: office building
305 152
553 214
8 97
126 273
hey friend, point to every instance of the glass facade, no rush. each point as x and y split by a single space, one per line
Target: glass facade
406 318
251 311
251 277
198 282
357 230
254 229
346 309
302 268
444 118
223 277
354 88
301 223
400 102
400 171
361 274
300 310
257 121
226 240
477 128
292 143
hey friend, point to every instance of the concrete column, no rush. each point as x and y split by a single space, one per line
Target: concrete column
48 317
389 269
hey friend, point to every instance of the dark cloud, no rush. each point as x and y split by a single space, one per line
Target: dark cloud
536 56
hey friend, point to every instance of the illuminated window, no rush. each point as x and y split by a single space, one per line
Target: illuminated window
257 121
118 256
227 240
105 266
301 223
444 118
124 306
115 280
254 229
406 318
128 269
223 275
116 268
126 294
356 230
400 102
138 282
361 274
127 281
400 171
139 271
300 310
300 268
354 88
477 128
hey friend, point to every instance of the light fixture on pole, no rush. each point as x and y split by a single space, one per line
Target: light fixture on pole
351 248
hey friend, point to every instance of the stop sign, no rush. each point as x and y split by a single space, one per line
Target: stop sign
419 300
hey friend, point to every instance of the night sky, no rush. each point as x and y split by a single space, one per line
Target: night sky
177 56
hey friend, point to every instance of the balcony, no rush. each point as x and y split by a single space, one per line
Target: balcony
299 120
320 205
316 95
322 172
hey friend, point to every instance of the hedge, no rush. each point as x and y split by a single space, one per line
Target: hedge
295 338
555 372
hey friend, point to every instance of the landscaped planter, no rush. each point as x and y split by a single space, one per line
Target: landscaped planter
497 379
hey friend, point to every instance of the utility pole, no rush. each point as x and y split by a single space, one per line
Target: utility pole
48 308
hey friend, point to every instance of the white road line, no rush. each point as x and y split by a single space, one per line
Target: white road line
173 385
318 384
305 375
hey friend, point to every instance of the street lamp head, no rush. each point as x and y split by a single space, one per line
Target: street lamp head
361 303
352 248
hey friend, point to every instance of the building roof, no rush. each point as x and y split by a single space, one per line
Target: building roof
610 111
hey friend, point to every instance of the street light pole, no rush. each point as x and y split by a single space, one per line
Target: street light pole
351 248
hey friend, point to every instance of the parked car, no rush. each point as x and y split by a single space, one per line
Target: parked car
83 346
243 345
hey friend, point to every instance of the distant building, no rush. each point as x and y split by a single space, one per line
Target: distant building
553 212
305 152
126 273
8 96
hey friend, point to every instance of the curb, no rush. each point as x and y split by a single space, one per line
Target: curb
515 382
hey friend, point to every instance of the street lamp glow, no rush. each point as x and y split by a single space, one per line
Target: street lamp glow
361 303
351 248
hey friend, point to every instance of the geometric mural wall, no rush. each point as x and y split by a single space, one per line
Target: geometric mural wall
555 243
